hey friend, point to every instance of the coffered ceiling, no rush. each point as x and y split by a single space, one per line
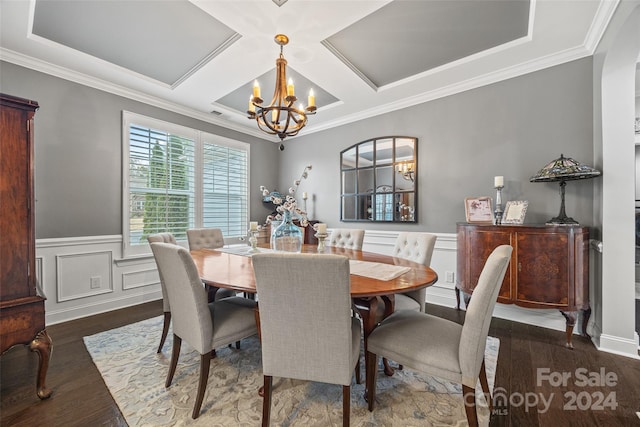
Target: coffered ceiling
361 57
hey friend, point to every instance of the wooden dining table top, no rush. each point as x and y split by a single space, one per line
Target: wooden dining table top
232 271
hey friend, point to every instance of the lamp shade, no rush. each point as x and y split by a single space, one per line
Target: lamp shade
563 169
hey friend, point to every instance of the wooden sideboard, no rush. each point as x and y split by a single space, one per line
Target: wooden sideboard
21 304
549 266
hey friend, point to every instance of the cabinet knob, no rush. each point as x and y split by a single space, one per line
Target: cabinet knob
519 267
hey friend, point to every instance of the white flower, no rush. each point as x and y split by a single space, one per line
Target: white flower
288 202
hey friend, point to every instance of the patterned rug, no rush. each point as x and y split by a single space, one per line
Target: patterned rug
135 375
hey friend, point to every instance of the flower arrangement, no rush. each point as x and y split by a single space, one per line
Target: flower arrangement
289 202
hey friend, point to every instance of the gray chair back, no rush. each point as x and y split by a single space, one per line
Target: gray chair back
189 308
162 238
347 238
416 247
312 292
475 329
210 238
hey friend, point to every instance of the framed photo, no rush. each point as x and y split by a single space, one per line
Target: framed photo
478 210
514 212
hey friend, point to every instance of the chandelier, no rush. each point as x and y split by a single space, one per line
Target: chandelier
280 117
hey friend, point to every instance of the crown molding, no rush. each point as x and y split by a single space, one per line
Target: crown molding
476 82
599 24
85 80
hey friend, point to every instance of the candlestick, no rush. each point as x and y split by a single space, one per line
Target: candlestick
321 228
321 237
253 225
498 181
498 211
253 240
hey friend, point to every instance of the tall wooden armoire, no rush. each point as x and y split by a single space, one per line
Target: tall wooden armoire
21 302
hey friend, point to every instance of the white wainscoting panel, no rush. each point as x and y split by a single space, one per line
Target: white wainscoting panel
137 279
82 276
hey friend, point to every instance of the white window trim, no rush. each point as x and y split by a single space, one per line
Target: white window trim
132 251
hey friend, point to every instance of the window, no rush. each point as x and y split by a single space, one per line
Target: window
176 178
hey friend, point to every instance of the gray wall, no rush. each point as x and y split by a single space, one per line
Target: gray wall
511 128
78 153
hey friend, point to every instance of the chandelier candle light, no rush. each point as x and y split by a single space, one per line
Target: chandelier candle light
280 117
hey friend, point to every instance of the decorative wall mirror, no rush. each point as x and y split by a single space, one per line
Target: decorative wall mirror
378 180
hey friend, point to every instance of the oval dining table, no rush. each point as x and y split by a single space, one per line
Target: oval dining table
234 270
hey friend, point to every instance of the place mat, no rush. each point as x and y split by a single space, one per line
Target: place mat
244 250
377 270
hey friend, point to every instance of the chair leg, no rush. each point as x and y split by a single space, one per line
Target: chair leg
165 329
388 370
175 352
485 387
469 397
205 363
346 405
358 379
266 400
237 345
371 369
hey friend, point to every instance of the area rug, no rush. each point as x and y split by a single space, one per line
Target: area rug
135 374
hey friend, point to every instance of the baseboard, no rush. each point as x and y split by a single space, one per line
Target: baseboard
55 316
618 345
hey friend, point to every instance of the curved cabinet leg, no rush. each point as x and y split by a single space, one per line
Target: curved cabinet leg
586 314
43 346
570 317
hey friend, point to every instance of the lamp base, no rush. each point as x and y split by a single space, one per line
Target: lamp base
565 220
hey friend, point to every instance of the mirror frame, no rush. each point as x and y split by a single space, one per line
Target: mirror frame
363 164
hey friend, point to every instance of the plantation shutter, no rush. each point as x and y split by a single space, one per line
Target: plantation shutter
225 189
161 189
176 178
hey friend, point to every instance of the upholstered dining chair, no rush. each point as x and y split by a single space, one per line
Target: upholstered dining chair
166 308
306 324
440 347
205 326
208 238
211 238
416 247
348 238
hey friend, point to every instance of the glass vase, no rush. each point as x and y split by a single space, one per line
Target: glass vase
287 236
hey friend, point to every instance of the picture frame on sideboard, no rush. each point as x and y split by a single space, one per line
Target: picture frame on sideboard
478 210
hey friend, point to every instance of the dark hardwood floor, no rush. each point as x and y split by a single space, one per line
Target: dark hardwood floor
80 397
